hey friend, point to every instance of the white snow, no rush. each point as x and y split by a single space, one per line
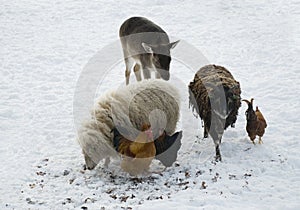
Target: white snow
45 45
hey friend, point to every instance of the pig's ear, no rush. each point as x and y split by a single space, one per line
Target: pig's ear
147 47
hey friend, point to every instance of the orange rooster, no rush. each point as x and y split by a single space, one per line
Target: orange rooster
256 122
137 155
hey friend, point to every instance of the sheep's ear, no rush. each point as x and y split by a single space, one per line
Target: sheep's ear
173 44
147 48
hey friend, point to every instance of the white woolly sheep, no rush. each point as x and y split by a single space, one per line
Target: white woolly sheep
150 101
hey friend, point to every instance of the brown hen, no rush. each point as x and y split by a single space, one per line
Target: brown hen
256 122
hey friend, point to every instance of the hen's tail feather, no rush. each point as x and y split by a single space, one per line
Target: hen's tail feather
167 148
164 142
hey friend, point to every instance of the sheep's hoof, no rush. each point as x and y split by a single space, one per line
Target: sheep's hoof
260 141
85 167
205 134
89 164
218 158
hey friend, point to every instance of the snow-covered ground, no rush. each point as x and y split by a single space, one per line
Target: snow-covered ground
45 45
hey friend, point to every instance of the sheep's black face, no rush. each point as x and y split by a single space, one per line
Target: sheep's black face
162 64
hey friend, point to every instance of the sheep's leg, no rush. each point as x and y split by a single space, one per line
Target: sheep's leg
137 72
217 138
89 164
146 73
205 131
259 140
127 76
129 64
218 153
157 75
